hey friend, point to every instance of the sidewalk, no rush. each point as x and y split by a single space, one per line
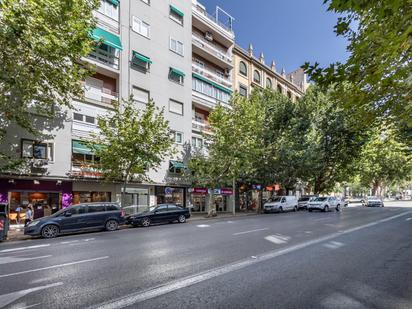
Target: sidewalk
16 231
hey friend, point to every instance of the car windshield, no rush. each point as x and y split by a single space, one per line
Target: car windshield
373 198
58 213
274 199
320 199
304 199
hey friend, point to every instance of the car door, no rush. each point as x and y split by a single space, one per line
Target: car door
73 218
174 212
96 216
160 214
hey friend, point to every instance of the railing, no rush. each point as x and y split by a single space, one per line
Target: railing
202 43
209 74
81 169
104 57
211 18
201 126
101 95
107 22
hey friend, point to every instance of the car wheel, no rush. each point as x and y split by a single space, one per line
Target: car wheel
295 208
281 209
181 219
310 210
50 231
146 222
112 225
326 208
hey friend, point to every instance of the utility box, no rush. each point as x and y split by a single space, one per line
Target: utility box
4 221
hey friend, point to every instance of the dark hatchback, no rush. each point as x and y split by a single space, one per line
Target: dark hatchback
77 218
160 214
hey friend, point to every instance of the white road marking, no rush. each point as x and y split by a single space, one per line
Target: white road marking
25 248
308 232
18 306
89 239
203 225
408 219
68 242
277 239
333 245
137 297
11 259
251 231
7 299
54 266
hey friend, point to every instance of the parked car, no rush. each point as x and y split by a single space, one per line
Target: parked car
343 202
304 200
280 204
160 213
134 209
81 217
373 201
324 203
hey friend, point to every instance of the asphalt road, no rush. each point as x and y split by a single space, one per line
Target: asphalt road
358 258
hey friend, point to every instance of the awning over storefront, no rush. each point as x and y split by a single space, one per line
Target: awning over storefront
177 72
108 38
177 11
141 57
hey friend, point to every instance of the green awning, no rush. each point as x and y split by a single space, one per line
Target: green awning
114 2
177 72
108 38
211 83
177 164
141 57
82 147
177 11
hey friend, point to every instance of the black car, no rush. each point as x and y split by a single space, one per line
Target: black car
160 213
81 217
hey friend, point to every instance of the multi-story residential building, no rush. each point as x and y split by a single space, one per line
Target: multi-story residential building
144 50
251 72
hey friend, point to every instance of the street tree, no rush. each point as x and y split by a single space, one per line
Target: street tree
131 142
41 43
378 69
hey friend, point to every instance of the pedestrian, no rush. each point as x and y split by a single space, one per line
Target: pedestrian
29 214
18 211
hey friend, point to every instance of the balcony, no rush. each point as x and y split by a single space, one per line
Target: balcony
95 93
84 130
225 82
202 127
109 59
206 49
82 169
107 22
200 12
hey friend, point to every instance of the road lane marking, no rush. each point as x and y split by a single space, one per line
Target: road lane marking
251 231
24 248
28 306
277 239
10 259
333 245
68 242
203 225
54 266
140 296
408 219
7 299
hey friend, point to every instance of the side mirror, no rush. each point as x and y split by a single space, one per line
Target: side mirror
67 214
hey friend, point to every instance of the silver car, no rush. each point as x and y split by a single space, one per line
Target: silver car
324 203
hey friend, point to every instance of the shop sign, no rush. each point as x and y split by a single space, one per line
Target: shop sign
168 190
200 190
226 191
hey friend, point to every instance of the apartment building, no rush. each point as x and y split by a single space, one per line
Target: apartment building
252 72
145 51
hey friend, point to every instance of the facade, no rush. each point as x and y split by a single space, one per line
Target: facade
251 72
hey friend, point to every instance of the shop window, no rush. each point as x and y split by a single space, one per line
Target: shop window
90 197
34 150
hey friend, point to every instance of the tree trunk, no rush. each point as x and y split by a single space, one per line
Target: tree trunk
234 196
376 190
123 196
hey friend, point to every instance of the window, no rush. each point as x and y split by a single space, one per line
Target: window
34 150
176 46
199 63
268 83
243 90
141 62
256 77
280 90
209 90
197 142
90 119
176 15
140 95
178 137
96 208
161 208
77 116
242 68
141 27
109 9
176 107
76 210
289 94
176 76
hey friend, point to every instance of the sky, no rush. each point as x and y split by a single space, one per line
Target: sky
290 32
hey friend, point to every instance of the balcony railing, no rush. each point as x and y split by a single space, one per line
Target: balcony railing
100 95
201 126
81 169
107 22
226 82
210 48
102 56
211 18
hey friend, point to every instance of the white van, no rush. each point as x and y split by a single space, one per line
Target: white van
280 204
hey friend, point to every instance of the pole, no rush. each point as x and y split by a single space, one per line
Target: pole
234 196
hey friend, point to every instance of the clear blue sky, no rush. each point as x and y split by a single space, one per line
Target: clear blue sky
288 31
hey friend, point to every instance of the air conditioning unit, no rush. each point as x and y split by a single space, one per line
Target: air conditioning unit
209 36
39 163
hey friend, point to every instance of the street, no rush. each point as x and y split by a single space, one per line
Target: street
358 258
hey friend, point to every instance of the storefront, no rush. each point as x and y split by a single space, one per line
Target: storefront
175 195
47 197
93 191
198 199
222 199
